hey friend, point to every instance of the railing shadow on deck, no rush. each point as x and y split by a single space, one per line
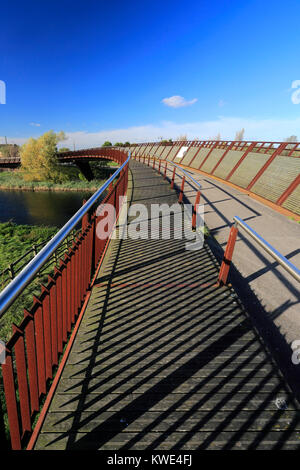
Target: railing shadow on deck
190 344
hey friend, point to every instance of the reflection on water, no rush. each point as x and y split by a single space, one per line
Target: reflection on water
40 208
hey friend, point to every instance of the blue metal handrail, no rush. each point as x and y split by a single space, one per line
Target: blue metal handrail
14 288
282 260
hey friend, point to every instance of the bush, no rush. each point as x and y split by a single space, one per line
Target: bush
38 158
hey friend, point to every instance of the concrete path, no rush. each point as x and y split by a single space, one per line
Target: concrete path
164 359
277 291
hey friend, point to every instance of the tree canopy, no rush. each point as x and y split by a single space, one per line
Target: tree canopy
38 158
107 144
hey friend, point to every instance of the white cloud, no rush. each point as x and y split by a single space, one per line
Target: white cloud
255 129
178 101
221 103
36 124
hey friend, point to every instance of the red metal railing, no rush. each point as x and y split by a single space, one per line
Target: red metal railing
36 345
274 149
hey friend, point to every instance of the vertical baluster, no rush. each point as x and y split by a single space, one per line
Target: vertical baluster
40 345
53 315
22 379
60 308
32 362
11 401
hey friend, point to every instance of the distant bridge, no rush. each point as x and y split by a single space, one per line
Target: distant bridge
268 170
142 344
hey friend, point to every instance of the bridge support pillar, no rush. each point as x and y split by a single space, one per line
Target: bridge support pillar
85 169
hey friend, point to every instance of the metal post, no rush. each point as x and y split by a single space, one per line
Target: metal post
195 208
173 177
225 266
181 190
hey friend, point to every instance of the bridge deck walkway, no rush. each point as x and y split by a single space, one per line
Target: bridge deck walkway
165 360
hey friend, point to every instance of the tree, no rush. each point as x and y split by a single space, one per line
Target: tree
64 149
107 144
240 135
292 138
127 144
118 144
38 158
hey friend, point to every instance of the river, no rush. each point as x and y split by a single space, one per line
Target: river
52 208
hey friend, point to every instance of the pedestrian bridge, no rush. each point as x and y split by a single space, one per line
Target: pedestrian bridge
140 343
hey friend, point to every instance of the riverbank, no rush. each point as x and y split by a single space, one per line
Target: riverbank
74 180
15 242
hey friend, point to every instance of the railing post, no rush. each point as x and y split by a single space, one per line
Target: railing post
22 379
159 165
153 163
85 219
173 177
165 172
32 361
11 402
225 266
195 208
181 190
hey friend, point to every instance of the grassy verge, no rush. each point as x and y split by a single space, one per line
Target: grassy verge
15 241
74 180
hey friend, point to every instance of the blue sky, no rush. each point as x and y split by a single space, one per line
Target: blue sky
110 70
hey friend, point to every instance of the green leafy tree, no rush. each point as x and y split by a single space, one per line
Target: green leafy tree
107 144
64 149
38 158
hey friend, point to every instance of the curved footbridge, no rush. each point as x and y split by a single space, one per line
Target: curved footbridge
164 357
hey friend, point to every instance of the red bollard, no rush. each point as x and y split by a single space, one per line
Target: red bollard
173 177
224 270
194 217
181 190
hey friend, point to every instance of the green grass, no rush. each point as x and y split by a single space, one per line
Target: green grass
15 241
74 179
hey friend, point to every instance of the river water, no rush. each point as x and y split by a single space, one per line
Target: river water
40 207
